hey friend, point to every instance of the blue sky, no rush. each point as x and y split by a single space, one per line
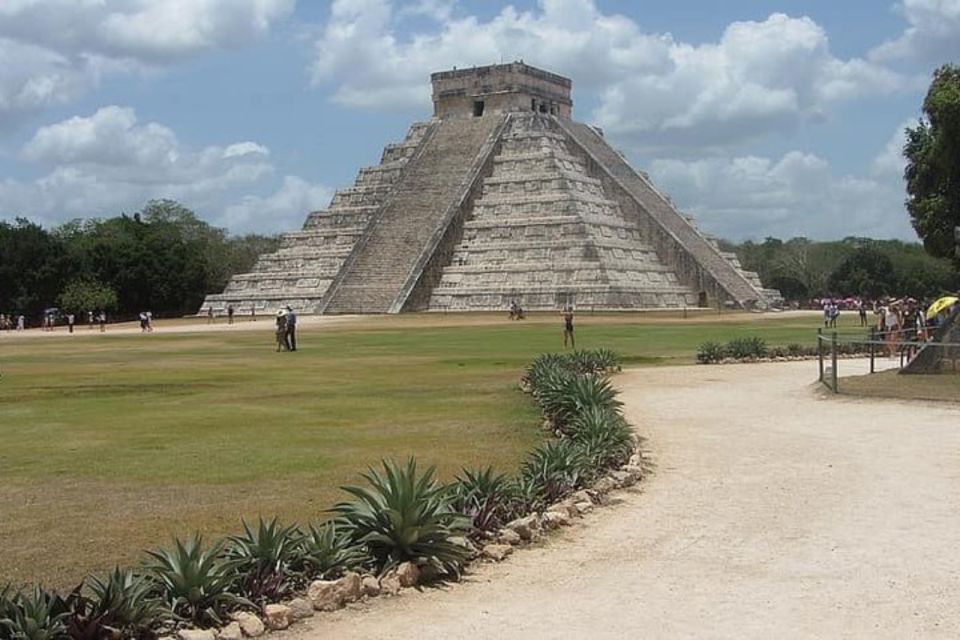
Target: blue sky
757 117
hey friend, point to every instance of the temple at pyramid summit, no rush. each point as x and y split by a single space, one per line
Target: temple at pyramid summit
501 196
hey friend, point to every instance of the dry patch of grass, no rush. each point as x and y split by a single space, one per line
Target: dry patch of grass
943 387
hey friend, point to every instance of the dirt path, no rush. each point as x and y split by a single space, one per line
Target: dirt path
774 512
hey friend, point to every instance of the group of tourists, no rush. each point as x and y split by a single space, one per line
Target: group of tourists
286 330
9 322
52 317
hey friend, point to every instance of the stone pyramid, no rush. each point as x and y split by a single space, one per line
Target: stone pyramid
500 197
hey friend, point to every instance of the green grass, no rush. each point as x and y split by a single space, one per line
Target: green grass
942 387
113 443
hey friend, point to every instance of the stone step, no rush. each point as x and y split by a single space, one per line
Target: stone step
658 207
376 274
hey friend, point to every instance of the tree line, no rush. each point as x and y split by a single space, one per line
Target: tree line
861 267
162 258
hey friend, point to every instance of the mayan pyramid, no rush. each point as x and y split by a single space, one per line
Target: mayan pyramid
500 197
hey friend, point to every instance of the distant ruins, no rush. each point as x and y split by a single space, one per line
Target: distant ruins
501 196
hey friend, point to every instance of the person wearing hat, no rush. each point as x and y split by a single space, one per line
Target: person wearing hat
281 330
291 330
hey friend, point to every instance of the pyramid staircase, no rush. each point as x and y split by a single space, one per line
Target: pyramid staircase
300 271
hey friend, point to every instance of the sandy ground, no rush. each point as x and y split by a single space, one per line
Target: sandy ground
774 511
192 324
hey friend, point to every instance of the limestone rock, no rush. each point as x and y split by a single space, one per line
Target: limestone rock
635 460
230 632
371 586
408 574
390 584
250 624
624 478
605 485
582 496
196 634
300 608
277 616
508 536
566 507
349 588
528 527
555 519
324 596
635 470
584 507
497 551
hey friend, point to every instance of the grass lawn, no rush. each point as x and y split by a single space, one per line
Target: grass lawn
114 443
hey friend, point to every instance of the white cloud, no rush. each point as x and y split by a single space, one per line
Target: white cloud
796 195
286 208
932 35
360 52
109 162
53 50
890 162
655 92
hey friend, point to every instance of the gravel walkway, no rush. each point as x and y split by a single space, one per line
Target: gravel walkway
775 511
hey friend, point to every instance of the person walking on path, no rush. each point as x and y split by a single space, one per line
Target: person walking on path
70 320
567 315
209 315
230 314
21 322
102 320
291 332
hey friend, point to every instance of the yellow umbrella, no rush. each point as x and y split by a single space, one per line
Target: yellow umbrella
939 305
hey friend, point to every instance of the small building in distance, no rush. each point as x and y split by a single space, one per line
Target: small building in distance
500 197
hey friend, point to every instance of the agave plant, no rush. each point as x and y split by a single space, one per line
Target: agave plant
124 603
556 468
604 438
404 516
544 369
263 556
486 497
327 551
35 615
196 583
569 398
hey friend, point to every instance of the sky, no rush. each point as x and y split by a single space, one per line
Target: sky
759 118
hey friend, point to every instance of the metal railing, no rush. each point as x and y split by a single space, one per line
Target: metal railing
902 344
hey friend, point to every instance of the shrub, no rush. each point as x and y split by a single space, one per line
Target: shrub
709 352
794 350
404 516
485 497
125 604
263 557
196 583
326 551
555 469
35 615
604 438
563 402
544 369
593 362
745 348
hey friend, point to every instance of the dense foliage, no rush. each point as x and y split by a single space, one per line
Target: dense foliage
933 170
162 258
803 269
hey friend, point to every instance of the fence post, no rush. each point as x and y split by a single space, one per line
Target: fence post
833 361
820 352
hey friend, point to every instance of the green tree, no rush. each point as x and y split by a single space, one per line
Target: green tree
88 295
32 267
933 169
866 272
